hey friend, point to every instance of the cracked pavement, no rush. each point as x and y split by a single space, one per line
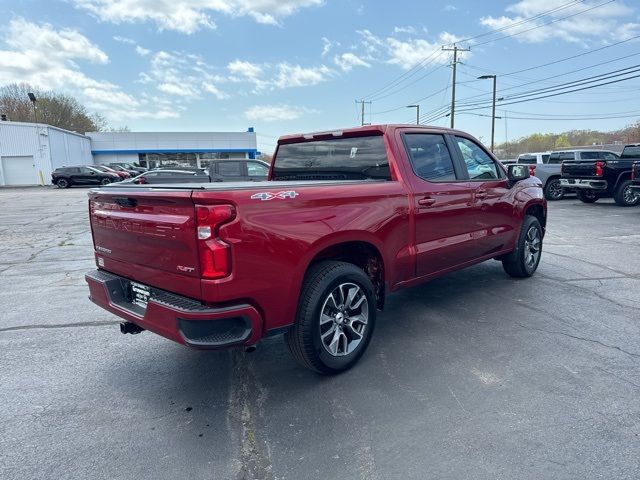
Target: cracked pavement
474 375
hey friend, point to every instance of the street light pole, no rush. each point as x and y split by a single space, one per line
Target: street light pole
493 109
32 97
417 107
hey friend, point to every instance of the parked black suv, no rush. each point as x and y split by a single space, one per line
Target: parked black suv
65 177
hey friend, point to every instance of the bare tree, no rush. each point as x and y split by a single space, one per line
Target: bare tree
53 108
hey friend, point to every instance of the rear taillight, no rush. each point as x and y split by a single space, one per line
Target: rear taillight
532 170
215 255
599 168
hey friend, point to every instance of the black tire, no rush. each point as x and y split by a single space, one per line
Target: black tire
105 181
518 263
552 190
305 340
587 195
62 183
625 196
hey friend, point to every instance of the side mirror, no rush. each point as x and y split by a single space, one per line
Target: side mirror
515 173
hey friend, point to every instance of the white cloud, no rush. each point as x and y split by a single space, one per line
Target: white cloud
124 40
297 76
406 52
51 59
143 52
600 24
189 16
274 113
408 30
327 45
245 69
347 61
182 75
449 8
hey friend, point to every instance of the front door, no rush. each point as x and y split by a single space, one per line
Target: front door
494 221
442 202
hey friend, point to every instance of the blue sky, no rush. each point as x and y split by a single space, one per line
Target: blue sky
287 66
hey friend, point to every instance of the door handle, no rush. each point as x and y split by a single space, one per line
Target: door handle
426 201
481 194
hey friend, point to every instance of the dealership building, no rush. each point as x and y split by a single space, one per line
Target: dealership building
29 152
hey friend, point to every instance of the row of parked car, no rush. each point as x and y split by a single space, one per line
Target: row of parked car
217 171
591 174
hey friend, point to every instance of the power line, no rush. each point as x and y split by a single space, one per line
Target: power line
420 64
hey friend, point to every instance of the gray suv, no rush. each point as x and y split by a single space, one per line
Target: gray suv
238 170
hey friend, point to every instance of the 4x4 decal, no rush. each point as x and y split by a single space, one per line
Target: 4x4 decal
270 196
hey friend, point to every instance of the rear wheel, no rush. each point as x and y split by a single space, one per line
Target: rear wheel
335 320
553 190
524 260
625 196
62 183
587 195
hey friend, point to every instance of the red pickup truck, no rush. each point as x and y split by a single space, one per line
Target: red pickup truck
345 218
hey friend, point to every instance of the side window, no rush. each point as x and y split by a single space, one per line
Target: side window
479 165
430 157
545 158
610 156
85 170
255 169
590 155
230 169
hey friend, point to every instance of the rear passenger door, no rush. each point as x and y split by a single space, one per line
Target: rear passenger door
257 171
442 203
494 223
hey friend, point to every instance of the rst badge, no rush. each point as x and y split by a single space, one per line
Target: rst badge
270 196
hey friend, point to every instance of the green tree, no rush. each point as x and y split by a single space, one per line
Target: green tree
52 107
562 141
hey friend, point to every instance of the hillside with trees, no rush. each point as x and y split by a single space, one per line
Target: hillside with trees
541 142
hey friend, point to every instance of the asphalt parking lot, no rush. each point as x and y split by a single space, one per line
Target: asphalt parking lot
474 375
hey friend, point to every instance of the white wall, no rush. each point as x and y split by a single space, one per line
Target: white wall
50 147
103 159
141 141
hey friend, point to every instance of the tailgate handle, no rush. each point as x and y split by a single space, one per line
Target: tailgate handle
126 202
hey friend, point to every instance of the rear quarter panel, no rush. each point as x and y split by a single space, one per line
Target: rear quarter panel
274 241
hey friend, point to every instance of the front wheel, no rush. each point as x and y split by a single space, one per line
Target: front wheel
587 196
335 319
553 190
525 258
62 183
105 181
625 196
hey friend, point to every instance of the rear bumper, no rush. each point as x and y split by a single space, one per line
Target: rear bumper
175 317
582 183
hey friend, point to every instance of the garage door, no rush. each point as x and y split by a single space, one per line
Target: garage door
19 171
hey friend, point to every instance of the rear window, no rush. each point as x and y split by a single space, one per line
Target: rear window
528 159
559 157
354 158
631 151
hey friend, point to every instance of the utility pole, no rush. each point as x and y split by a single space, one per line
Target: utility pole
493 109
362 112
417 107
455 51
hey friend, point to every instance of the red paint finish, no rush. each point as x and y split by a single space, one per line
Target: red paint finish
420 229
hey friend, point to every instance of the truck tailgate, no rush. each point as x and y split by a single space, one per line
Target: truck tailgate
147 236
578 169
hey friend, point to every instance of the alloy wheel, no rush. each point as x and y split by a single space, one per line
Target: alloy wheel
343 319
